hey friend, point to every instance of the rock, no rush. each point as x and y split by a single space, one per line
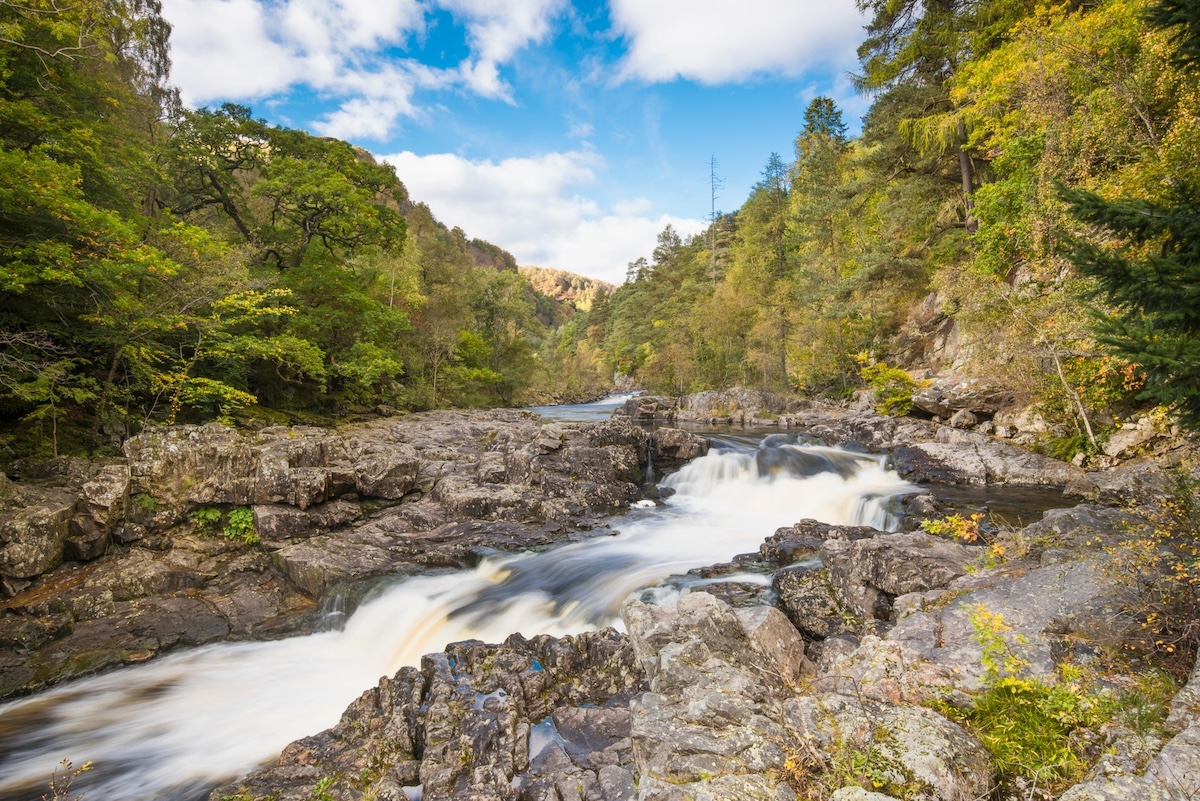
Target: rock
859 794
1130 438
100 510
32 537
804 539
1142 483
673 446
708 726
963 419
964 457
1045 607
810 602
532 719
910 748
945 397
865 572
279 523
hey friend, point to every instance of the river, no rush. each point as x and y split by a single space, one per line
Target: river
175 727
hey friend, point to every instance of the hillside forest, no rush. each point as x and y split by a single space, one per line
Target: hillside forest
166 264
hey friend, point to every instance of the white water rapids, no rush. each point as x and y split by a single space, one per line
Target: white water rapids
176 726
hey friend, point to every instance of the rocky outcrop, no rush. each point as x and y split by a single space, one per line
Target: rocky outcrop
529 720
946 396
868 574
332 510
729 714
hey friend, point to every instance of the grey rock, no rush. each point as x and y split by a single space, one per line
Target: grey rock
32 536
99 511
810 602
944 397
708 726
673 446
804 539
460 726
963 419
859 794
910 745
1134 483
865 572
280 523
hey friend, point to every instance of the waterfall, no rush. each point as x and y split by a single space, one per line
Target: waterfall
176 726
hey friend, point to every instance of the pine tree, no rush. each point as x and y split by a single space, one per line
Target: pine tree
1153 279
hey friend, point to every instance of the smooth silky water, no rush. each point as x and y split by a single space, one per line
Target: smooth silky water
182 724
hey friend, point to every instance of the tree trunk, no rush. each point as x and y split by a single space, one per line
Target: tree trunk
968 179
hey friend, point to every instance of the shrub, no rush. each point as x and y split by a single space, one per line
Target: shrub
239 526
892 386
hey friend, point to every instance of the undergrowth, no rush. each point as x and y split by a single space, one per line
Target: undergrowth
1037 731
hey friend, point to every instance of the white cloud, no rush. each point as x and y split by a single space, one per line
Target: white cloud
497 31
251 49
534 208
714 41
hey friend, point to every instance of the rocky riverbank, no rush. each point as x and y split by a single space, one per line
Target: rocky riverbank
113 562
860 676
854 681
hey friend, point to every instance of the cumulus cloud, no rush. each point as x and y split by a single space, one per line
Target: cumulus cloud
714 41
534 208
496 31
250 49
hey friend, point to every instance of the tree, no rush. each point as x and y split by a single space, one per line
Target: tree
1152 274
1152 280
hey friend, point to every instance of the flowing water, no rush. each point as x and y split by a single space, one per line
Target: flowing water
596 410
174 727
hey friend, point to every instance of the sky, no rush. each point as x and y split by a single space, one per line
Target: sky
568 133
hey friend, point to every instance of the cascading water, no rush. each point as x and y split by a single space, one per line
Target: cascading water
179 725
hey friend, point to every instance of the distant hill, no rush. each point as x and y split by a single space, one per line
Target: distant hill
577 290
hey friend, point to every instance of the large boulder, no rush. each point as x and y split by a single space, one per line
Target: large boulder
709 727
964 457
945 396
868 573
33 535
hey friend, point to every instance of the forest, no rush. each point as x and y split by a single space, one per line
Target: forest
160 264
1031 164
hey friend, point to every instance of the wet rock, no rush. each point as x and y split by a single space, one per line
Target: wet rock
804 539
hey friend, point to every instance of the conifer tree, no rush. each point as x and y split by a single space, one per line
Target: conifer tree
1153 279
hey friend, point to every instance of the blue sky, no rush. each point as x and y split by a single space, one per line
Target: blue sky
567 133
